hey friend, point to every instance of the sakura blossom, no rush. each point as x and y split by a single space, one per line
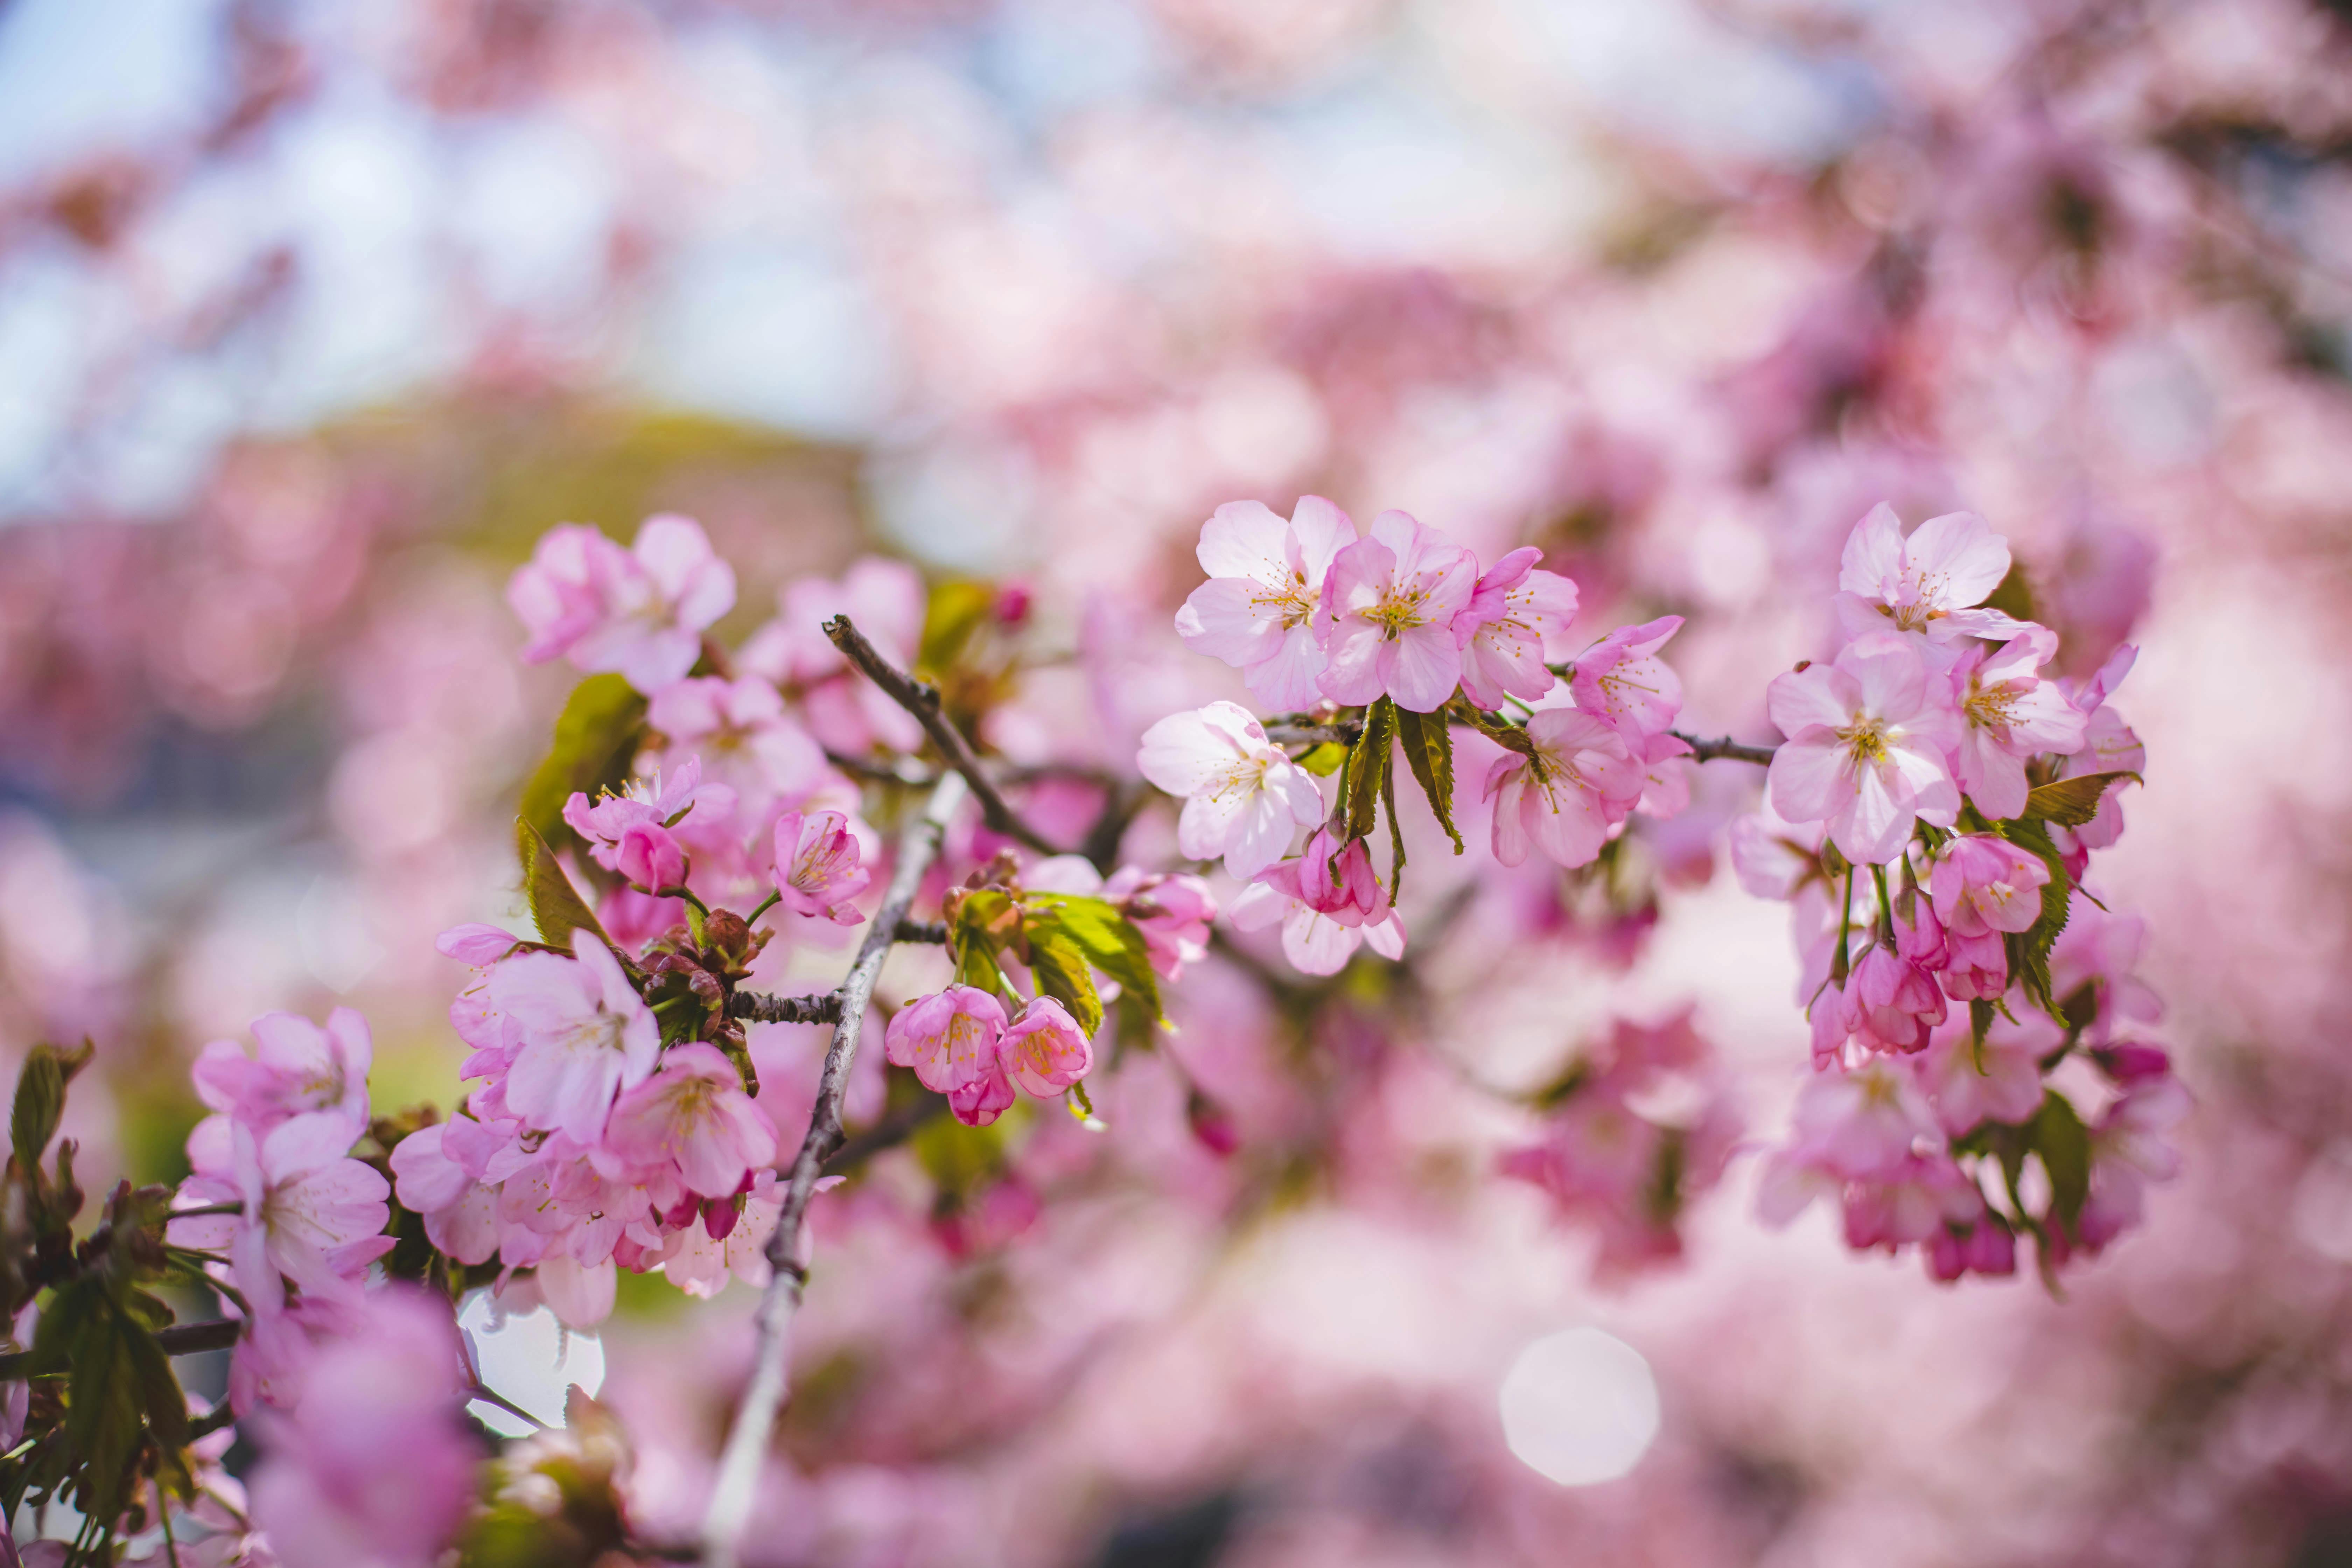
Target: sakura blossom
308 1214
585 1037
818 866
631 832
1622 682
1866 749
1982 883
1389 602
1261 609
1926 586
738 731
953 1042
2009 714
1575 782
639 612
1328 903
1244 798
1044 1050
693 1113
842 711
1516 622
295 1067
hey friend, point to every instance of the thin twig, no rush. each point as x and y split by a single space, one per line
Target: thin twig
932 932
762 1007
755 1418
923 702
491 1396
898 773
1708 751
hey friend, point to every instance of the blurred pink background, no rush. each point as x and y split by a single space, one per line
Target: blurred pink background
314 316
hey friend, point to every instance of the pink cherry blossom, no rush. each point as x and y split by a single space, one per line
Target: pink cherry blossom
1863 1122
586 1036
742 738
2101 950
477 944
649 807
640 611
1985 1247
1579 782
1516 620
460 1213
1914 1201
1173 911
1997 1080
1774 858
2109 745
693 1113
2008 714
846 712
296 1067
700 1260
1866 748
1389 604
1260 609
1044 1050
373 1464
1244 797
1983 884
1924 585
952 1041
311 1214
1622 680
818 867
1326 913
1890 1003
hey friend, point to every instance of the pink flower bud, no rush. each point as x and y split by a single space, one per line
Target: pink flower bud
650 856
950 1041
1982 883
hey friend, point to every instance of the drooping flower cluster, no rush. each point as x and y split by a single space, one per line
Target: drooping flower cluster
1930 818
1612 1159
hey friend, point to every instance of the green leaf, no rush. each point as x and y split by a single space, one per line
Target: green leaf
1428 743
106 1395
1113 946
2072 802
1059 966
2014 595
556 907
973 942
1369 765
595 740
1323 760
160 1394
2064 1145
1396 833
40 1102
1980 1022
2028 951
1510 736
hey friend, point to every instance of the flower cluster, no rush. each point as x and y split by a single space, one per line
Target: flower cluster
1387 640
1611 1158
1930 820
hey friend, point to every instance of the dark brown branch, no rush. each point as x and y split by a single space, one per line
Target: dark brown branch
932 932
923 702
763 1397
1313 734
1708 751
902 772
759 1007
180 1339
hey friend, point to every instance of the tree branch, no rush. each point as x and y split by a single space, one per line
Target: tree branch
923 702
1708 751
180 1339
755 1418
1313 734
762 1007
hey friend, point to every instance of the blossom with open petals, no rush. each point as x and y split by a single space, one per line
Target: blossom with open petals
1866 751
2008 714
310 1212
1927 585
950 1041
1389 603
819 867
1044 1050
640 611
1260 609
297 1065
586 1036
1577 782
1982 883
1244 797
1622 680
1516 620
693 1113
1328 902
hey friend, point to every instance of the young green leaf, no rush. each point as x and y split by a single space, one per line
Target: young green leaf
596 739
1369 765
1323 760
1396 835
40 1102
1059 966
1429 752
556 907
2028 951
2064 1145
2072 802
1113 946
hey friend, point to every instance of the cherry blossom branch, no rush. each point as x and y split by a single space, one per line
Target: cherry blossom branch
180 1339
755 1418
1313 734
1708 751
922 700
762 1007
